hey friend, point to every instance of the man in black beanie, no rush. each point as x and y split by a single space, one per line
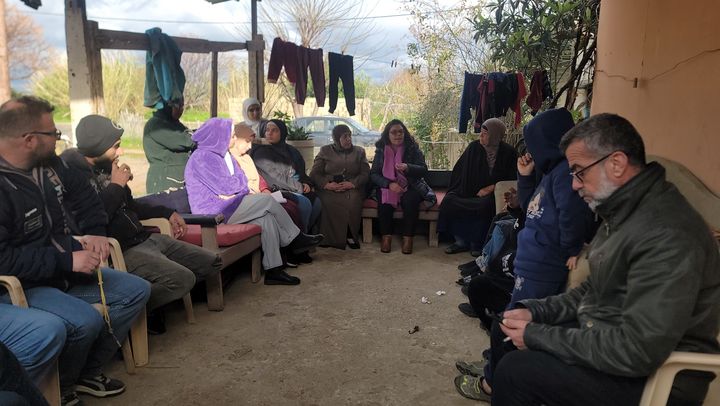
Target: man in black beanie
171 266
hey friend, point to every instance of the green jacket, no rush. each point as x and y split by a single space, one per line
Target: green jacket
654 286
167 145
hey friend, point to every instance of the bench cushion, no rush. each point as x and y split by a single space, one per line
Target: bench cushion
440 194
227 234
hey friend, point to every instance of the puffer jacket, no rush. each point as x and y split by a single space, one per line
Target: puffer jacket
654 286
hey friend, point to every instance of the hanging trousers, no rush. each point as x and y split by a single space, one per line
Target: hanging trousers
341 67
313 59
283 54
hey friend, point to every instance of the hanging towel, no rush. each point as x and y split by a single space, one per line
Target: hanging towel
164 78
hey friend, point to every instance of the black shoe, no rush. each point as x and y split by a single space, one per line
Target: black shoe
100 386
71 399
277 276
476 253
464 290
466 309
156 322
353 244
455 248
301 258
468 268
304 242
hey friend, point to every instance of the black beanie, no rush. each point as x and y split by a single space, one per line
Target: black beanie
96 134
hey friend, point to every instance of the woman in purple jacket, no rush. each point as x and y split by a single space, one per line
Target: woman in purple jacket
216 184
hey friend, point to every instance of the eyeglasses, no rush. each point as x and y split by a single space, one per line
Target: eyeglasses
57 133
579 173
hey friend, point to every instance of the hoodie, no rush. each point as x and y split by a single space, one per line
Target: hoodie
207 175
557 220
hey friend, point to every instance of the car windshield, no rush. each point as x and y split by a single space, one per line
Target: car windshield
357 125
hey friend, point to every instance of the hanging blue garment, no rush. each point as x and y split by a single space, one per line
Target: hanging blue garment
164 78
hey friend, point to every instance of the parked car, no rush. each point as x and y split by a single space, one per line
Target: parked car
320 128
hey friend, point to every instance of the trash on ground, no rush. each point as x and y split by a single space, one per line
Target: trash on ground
440 292
414 330
425 300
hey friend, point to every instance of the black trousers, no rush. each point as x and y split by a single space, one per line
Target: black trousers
528 378
410 203
313 59
15 385
341 67
491 292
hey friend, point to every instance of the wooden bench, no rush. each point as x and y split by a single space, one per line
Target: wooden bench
370 212
229 241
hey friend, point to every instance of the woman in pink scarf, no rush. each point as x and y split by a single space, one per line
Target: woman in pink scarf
397 171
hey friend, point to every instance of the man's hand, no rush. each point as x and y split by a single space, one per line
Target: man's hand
395 187
96 243
525 165
85 261
306 188
401 167
518 314
120 175
572 263
177 223
511 198
486 191
515 329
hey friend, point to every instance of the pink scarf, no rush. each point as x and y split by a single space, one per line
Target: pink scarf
392 157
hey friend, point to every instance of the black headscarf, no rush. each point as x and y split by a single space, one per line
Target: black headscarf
279 152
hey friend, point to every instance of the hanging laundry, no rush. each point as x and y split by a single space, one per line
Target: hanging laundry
341 67
521 93
469 99
540 90
283 54
313 59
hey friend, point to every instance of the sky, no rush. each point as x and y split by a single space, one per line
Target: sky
198 18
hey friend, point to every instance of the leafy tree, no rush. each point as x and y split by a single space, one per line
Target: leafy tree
557 35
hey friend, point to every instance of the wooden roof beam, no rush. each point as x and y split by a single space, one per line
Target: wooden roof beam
110 39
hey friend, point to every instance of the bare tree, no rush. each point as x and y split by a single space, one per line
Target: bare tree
28 52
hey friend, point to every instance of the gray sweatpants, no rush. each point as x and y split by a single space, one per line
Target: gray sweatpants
278 229
170 265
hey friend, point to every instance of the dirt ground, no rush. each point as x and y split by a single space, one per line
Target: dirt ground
339 338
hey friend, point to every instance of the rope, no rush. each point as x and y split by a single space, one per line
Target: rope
104 311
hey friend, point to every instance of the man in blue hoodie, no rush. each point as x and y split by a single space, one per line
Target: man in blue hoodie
557 224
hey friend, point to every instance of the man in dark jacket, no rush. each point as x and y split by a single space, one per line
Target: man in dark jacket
58 272
654 287
170 265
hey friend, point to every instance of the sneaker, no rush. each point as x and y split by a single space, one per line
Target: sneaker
468 268
71 399
474 368
471 387
100 386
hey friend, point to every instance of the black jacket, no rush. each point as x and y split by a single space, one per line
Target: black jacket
36 242
124 213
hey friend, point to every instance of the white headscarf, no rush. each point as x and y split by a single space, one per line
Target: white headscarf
254 124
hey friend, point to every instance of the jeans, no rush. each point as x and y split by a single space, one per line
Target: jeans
89 345
527 378
16 389
35 337
171 266
309 210
410 203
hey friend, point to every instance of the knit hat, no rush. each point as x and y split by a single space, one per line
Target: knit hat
96 134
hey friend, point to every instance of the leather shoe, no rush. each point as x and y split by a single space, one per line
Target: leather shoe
407 245
386 243
277 276
455 248
303 242
469 268
467 309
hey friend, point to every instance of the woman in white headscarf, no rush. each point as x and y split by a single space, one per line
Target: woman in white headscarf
252 112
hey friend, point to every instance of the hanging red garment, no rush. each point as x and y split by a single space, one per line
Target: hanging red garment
283 54
521 93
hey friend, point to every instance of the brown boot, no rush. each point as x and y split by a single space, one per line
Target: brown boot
407 245
386 243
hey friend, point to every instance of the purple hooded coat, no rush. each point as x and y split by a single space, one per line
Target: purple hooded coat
207 175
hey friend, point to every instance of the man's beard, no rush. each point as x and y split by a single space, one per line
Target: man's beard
605 190
45 159
103 165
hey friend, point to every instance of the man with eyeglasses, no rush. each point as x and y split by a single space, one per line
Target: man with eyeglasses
57 271
654 287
